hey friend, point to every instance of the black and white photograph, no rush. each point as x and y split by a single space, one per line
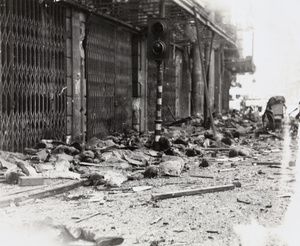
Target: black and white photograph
149 122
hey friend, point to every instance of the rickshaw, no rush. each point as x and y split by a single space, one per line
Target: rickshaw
274 114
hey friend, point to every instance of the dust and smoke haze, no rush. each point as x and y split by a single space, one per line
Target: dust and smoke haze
275 43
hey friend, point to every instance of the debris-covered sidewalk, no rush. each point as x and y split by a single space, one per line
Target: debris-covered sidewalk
194 190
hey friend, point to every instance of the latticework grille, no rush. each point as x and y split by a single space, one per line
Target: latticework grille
32 73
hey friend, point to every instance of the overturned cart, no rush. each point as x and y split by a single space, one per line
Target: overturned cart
274 114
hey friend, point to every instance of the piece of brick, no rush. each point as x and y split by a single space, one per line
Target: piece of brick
30 181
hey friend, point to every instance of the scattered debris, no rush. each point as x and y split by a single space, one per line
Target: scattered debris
284 195
38 194
213 231
114 178
242 201
202 176
30 181
192 192
205 163
141 188
226 170
237 184
88 217
156 220
96 199
151 172
267 163
171 165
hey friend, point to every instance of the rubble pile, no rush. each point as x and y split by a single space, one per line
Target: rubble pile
121 157
242 158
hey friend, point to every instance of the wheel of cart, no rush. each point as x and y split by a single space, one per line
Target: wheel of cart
268 120
274 113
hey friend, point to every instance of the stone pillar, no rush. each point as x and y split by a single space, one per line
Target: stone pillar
76 83
197 95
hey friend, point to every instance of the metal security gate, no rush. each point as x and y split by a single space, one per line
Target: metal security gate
109 78
32 73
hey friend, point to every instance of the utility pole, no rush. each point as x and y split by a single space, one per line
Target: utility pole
159 90
158 45
207 100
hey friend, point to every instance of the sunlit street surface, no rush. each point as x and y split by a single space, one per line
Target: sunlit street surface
286 234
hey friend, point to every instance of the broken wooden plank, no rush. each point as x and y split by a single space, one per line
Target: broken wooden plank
219 149
24 190
192 192
266 163
91 164
202 176
156 220
30 181
227 170
285 195
141 188
212 231
274 166
39 193
243 201
88 217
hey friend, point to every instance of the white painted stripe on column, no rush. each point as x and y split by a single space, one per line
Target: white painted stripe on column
156 139
158 127
158 113
159 101
159 88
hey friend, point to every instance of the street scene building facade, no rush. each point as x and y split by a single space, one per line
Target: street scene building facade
73 70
